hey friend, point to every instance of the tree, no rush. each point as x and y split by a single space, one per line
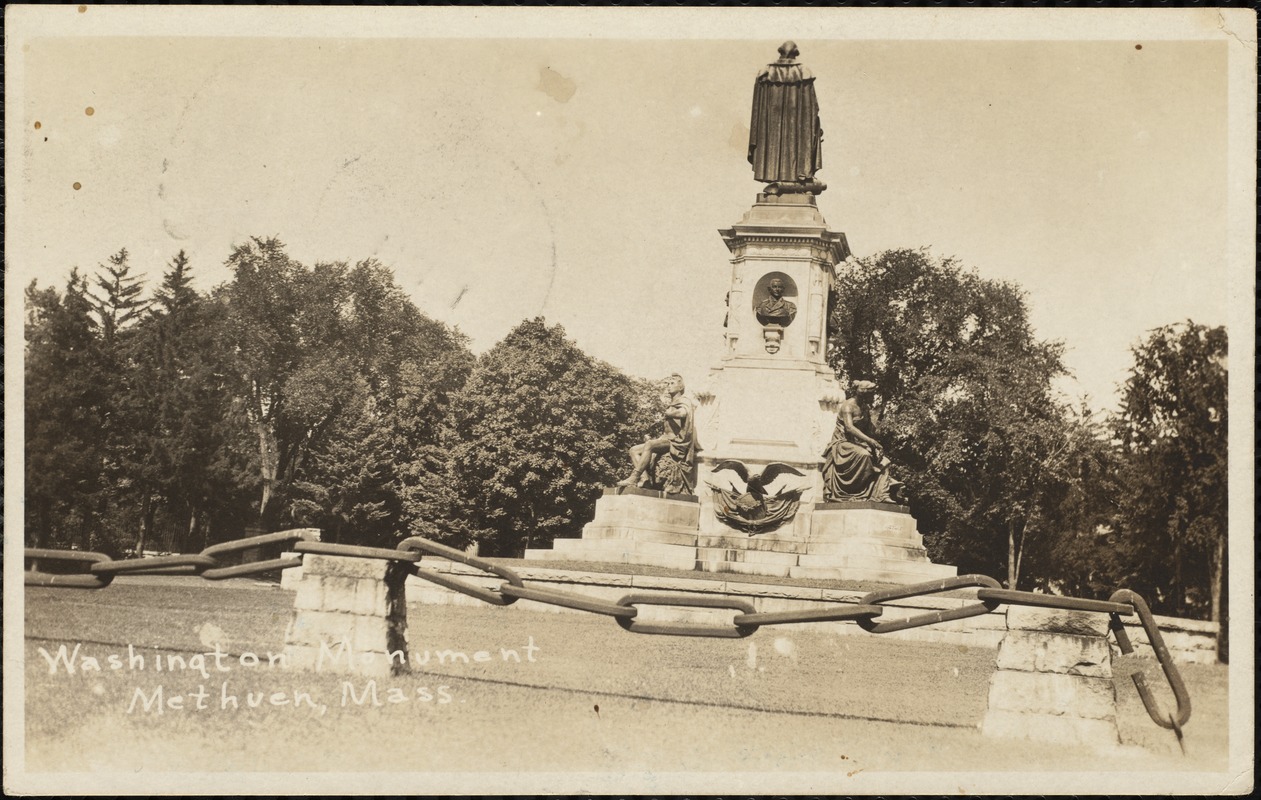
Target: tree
1172 429
66 403
1082 554
284 329
413 366
349 487
119 302
540 427
966 400
192 443
347 385
322 391
129 504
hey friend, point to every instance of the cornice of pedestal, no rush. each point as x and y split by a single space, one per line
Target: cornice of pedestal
739 237
749 361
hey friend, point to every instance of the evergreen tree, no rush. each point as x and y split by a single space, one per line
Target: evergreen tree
66 403
119 299
191 444
349 487
382 471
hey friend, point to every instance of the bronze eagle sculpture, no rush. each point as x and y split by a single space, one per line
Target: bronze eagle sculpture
753 509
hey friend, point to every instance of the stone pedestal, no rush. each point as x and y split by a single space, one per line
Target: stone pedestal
854 541
350 615
771 397
867 541
775 403
634 526
1054 680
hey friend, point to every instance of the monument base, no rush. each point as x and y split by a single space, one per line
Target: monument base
831 541
634 526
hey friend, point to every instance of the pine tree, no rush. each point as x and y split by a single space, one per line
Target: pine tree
66 404
119 299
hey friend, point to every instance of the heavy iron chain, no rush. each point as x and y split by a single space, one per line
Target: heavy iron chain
88 570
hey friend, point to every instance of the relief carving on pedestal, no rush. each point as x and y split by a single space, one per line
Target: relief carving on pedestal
774 310
753 509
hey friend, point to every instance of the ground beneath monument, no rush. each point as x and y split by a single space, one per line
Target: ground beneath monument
585 696
695 574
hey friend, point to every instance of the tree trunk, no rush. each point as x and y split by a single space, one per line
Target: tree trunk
1013 566
268 464
40 533
197 523
1178 594
146 524
1220 598
1020 555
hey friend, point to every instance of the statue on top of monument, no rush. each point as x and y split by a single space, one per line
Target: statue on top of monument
668 462
854 464
785 136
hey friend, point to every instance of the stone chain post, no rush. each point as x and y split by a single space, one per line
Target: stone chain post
350 615
1054 679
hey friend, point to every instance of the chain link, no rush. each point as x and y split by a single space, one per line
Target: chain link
569 600
922 589
1016 598
157 565
291 536
84 580
497 597
830 614
736 631
354 551
97 570
251 568
1182 698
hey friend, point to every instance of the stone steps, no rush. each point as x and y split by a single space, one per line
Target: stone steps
858 542
914 538
851 545
868 547
745 568
618 551
592 531
746 556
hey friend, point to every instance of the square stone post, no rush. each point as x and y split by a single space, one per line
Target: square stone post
350 616
1054 679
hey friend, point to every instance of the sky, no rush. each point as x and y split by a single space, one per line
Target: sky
585 180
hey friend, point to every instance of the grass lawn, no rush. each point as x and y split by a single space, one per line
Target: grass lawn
595 698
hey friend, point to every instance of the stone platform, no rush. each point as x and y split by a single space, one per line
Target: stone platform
831 541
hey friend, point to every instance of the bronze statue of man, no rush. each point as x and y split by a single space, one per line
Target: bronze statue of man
668 462
775 310
785 137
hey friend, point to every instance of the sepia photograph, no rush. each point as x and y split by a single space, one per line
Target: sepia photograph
629 401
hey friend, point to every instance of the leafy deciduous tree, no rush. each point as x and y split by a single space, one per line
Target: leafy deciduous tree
966 399
540 428
1173 432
